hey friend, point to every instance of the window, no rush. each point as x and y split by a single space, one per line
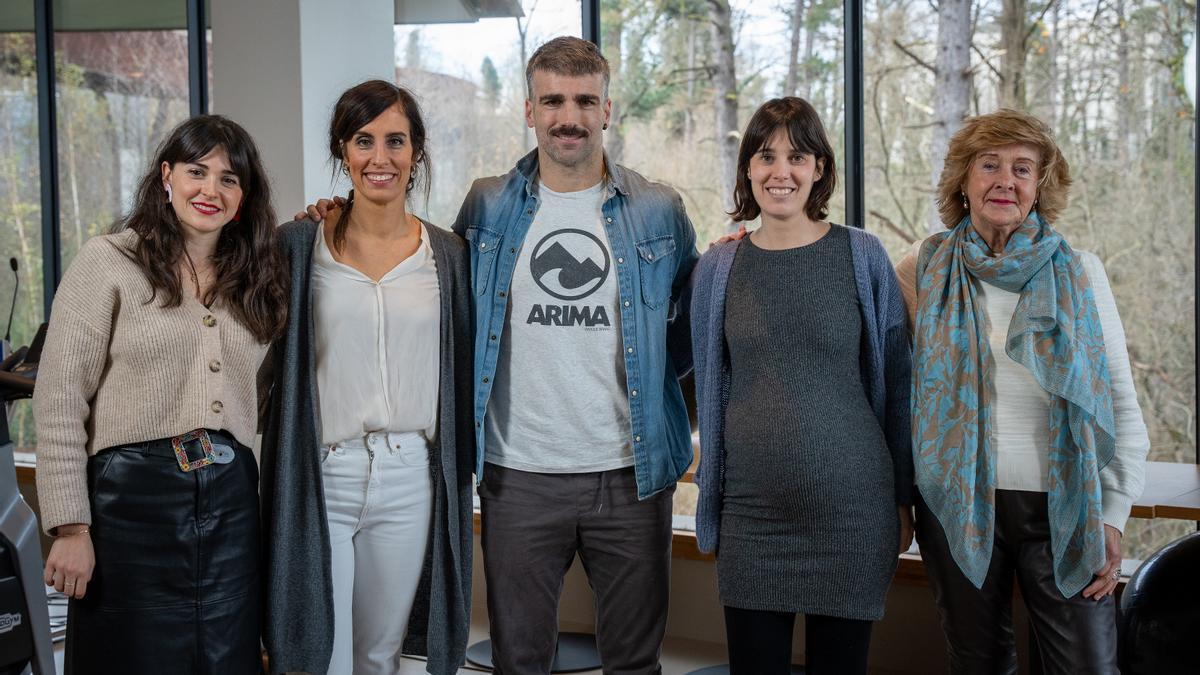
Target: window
119 93
121 83
470 81
687 76
1108 80
20 201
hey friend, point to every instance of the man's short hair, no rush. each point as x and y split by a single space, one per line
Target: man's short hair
570 56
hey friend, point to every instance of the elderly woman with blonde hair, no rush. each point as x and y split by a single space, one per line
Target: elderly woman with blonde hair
1028 443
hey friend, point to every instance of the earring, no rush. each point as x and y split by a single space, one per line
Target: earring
966 204
237 215
168 188
346 169
605 127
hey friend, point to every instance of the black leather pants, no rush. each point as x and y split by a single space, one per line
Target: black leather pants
1075 635
176 584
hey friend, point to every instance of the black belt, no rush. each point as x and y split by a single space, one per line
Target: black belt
193 450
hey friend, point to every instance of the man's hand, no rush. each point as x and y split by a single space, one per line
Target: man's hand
906 527
741 232
317 212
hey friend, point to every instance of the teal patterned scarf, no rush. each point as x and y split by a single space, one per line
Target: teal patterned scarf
1055 333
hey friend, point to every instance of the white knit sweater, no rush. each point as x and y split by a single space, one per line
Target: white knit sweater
118 370
1021 407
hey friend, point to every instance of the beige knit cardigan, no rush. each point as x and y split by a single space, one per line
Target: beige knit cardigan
117 369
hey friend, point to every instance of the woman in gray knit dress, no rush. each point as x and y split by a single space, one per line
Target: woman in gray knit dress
802 375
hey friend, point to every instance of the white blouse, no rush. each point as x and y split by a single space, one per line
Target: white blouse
377 345
1022 407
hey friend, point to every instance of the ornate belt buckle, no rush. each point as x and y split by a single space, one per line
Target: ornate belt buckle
196 439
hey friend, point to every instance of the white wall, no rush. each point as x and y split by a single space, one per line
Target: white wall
278 68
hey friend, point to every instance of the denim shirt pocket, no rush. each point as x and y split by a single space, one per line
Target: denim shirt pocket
484 243
656 266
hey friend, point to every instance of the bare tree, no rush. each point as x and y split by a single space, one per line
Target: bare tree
725 97
1013 18
523 39
952 76
795 24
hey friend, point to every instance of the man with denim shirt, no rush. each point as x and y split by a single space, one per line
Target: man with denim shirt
580 270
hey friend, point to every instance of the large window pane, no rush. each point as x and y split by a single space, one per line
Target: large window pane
677 65
1108 78
687 76
119 93
20 202
470 81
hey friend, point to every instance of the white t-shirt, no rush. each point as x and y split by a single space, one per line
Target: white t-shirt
558 402
378 363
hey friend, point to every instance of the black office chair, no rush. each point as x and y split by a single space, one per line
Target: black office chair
1160 612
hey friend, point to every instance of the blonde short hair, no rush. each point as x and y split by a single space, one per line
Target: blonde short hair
985 132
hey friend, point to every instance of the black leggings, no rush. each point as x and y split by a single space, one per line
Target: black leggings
760 643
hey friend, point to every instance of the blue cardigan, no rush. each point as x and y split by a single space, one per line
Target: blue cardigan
885 366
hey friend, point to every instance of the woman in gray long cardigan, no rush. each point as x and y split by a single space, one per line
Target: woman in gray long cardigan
367 444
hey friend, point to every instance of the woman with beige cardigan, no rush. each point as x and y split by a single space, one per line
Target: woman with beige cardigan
145 408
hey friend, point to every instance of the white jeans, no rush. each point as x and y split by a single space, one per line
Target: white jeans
378 497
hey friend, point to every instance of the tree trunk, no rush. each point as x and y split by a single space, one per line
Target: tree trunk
612 38
1124 100
1013 26
725 98
805 88
795 24
523 38
953 86
689 119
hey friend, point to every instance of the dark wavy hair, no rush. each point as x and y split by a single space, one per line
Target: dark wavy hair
250 277
354 110
807 135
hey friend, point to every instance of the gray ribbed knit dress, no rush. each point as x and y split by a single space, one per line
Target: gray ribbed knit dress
808 521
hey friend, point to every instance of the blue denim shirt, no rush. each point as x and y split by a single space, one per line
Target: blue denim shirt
654 246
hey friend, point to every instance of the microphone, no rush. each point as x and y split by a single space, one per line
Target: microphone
12 262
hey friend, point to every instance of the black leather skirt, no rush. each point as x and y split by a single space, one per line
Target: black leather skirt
176 584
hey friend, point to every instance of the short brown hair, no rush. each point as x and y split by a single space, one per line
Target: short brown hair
994 130
570 56
807 135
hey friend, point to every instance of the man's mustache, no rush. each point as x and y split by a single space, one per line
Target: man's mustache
571 131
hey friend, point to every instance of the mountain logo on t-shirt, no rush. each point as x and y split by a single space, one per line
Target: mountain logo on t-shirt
567 264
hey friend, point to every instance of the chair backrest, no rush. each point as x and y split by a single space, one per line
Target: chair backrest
1159 621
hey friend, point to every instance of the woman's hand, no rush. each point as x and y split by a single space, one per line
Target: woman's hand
316 212
906 527
71 561
741 232
1106 579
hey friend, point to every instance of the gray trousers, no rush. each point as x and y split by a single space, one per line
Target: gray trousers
1075 635
533 526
